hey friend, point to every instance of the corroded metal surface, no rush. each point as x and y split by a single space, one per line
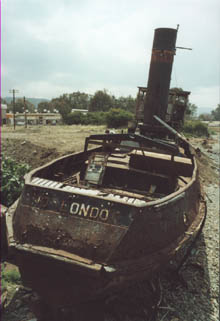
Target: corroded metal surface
108 235
70 222
175 111
51 272
163 51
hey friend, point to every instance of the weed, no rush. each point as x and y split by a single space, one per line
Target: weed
9 277
12 181
3 285
12 276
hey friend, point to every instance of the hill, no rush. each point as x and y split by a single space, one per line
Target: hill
34 101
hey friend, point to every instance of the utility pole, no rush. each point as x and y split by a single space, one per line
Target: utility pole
13 91
25 114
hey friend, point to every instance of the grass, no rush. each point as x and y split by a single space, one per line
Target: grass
62 137
57 128
11 276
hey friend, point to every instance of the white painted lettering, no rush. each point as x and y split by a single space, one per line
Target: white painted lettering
74 208
104 214
94 212
88 211
84 210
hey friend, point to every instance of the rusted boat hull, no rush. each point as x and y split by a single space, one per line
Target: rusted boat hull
91 222
104 252
60 280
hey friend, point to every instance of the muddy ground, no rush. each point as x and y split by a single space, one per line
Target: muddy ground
194 297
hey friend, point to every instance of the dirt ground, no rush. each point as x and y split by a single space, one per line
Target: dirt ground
38 145
195 299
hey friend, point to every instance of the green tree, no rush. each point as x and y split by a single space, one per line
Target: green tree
205 117
101 101
127 103
62 105
216 113
191 110
19 106
45 105
66 102
79 100
3 101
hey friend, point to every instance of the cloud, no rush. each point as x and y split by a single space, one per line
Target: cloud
50 47
206 97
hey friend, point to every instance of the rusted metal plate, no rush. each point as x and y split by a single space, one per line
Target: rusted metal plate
163 51
163 164
158 226
99 207
87 227
52 278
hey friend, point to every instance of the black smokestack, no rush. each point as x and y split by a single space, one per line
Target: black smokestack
164 47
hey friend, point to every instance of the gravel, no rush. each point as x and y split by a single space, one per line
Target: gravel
199 301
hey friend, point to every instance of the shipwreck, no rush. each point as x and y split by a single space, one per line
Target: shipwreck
118 211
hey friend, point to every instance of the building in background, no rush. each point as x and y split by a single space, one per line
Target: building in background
3 113
34 118
83 111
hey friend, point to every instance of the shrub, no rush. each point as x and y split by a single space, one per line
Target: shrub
116 118
10 276
12 180
92 118
96 118
195 128
73 118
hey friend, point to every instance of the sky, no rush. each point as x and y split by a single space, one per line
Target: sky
53 47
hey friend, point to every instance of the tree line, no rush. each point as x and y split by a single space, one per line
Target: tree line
102 106
102 100
19 106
